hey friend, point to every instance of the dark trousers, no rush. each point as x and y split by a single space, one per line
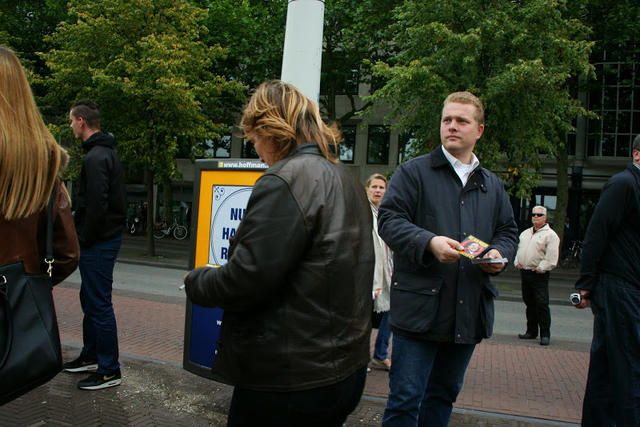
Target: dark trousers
535 293
612 397
323 407
99 332
381 348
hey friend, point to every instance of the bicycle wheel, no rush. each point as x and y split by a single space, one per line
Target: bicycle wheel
158 234
180 232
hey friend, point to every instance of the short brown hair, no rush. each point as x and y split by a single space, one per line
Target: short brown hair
88 110
636 143
467 98
281 112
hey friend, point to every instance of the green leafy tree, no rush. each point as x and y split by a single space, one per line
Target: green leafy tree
354 31
252 33
145 65
23 27
615 25
517 56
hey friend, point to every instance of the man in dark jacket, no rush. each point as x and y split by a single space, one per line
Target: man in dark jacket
100 213
610 279
442 303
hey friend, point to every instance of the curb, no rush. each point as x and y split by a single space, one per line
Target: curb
153 263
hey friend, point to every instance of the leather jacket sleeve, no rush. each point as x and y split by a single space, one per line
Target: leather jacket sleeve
66 250
268 246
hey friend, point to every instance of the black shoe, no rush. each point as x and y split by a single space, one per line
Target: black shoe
80 365
545 340
99 381
527 336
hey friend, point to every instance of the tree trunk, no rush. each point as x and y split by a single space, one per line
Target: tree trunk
562 194
151 244
167 199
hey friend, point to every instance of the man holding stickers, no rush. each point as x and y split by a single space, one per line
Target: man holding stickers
436 207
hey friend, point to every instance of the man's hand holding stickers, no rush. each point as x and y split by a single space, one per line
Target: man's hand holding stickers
448 251
490 261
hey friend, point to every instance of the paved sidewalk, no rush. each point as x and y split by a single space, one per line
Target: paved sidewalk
508 383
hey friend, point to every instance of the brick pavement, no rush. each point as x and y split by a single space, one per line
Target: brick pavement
516 379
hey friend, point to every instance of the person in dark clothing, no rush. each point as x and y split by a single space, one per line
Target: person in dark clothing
441 303
100 215
296 290
610 281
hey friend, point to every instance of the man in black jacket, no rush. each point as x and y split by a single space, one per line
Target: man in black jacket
441 303
100 213
610 279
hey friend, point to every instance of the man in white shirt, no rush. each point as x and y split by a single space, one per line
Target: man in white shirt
537 256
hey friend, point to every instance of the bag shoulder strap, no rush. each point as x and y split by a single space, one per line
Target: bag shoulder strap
48 256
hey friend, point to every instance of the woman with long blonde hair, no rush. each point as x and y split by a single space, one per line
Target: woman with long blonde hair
30 165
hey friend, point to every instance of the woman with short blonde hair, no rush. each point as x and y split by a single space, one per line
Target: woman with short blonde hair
296 289
279 111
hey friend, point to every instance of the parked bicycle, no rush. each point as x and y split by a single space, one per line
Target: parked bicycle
178 231
574 255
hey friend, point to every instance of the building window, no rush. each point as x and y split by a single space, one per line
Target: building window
343 83
219 147
213 148
407 145
248 150
378 145
615 97
348 144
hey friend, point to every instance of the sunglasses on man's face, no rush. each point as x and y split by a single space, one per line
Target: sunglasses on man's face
537 214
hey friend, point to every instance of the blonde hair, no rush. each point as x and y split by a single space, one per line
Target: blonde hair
281 113
467 98
30 158
376 176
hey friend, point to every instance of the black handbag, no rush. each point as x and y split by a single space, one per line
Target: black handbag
30 353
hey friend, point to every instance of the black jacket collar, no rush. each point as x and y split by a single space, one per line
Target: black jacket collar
99 138
438 160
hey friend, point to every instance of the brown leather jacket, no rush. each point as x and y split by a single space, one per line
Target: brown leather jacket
297 288
25 239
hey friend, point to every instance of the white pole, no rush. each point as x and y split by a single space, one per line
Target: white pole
302 55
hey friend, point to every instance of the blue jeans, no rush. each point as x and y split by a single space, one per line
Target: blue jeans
99 332
381 349
424 381
612 396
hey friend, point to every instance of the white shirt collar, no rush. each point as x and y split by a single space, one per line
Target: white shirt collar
463 170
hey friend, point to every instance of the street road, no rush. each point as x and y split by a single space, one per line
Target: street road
567 322
141 279
568 325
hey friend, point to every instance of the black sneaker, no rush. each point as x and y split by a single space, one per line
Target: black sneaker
80 365
99 381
